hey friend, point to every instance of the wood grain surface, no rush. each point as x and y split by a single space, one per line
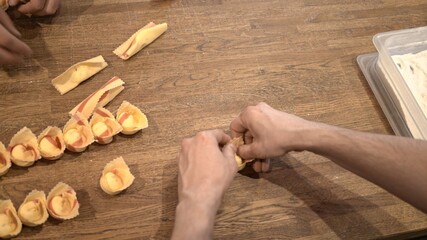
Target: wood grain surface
217 57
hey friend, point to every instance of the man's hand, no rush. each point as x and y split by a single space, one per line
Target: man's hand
269 133
12 49
37 7
205 172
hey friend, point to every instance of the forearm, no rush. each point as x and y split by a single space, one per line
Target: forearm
396 164
194 220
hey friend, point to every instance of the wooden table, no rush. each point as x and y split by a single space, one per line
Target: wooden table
217 57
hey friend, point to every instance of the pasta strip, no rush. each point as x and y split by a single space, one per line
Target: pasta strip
140 39
99 98
78 73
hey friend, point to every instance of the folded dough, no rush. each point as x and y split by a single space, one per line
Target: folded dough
116 177
10 224
140 39
241 163
51 143
77 133
4 4
131 118
5 162
99 98
33 211
62 202
104 126
78 73
23 148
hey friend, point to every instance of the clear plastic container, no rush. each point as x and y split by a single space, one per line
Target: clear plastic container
383 93
398 43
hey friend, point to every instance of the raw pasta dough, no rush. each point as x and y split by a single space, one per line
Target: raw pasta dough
62 202
33 211
116 177
78 73
4 4
140 39
5 162
99 98
23 148
131 118
10 224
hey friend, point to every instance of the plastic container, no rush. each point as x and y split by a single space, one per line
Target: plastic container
402 110
383 94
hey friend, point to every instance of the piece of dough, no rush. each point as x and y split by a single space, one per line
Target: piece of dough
4 4
10 224
99 98
140 39
62 202
131 118
116 177
77 133
33 211
51 143
5 162
104 126
24 149
78 73
241 163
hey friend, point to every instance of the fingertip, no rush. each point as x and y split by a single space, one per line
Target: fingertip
12 29
265 165
25 49
29 52
256 166
13 3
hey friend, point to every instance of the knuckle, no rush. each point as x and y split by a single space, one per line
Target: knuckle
7 42
262 104
50 11
202 136
39 5
251 110
185 142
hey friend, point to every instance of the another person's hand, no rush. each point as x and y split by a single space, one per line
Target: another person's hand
205 169
12 49
37 7
269 133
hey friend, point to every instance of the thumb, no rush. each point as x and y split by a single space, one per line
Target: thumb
229 151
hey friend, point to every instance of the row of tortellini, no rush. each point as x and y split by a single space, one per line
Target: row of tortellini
25 148
61 202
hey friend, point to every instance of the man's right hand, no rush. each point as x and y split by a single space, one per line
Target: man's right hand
37 7
12 49
270 133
